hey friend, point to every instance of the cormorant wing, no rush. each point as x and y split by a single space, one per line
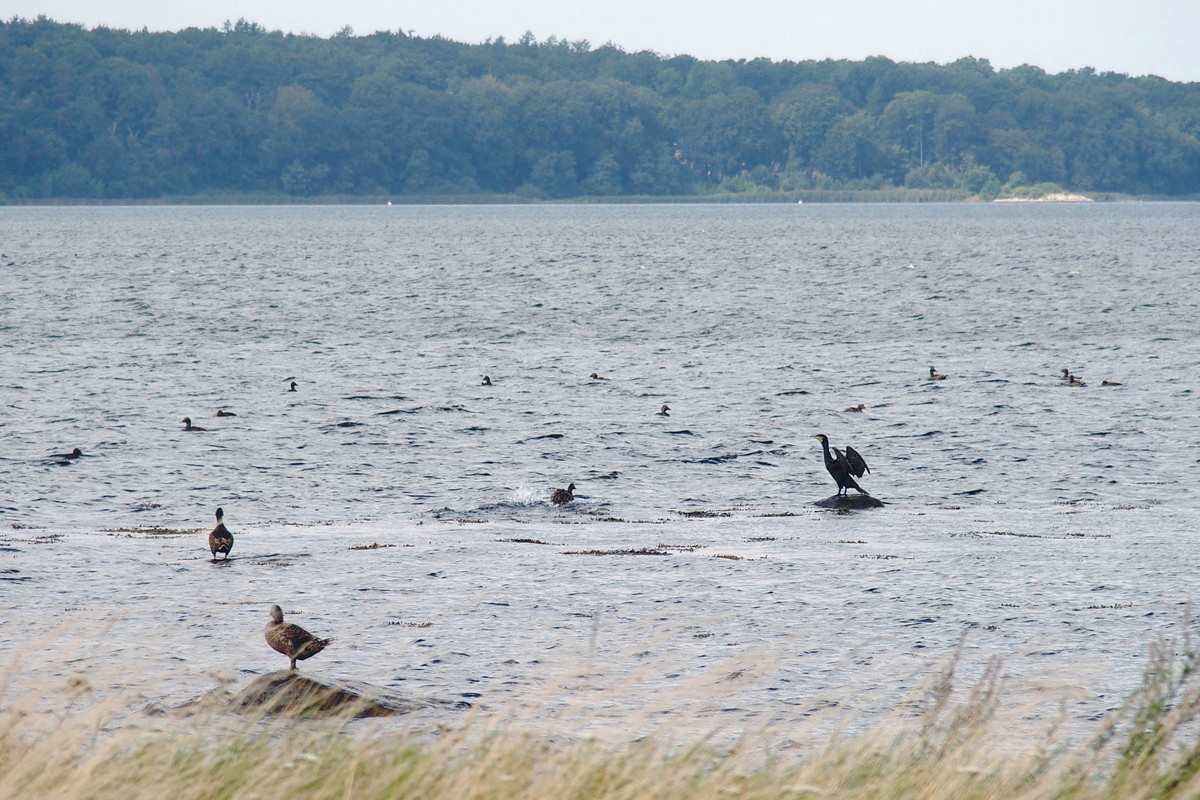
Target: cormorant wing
855 462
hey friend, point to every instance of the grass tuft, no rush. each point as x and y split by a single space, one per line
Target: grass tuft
954 745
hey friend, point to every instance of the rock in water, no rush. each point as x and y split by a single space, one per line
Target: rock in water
289 693
850 502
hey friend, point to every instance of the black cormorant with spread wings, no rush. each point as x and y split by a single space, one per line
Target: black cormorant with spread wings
844 467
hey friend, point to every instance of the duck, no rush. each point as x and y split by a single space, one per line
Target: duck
290 639
487 381
65 459
662 412
854 409
1073 379
223 413
1110 383
563 496
293 386
596 377
188 426
220 540
934 375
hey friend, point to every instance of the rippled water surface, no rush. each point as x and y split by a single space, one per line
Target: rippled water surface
1050 525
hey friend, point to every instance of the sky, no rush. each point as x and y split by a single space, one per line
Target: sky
1135 37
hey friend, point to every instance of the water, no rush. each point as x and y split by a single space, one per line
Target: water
1052 526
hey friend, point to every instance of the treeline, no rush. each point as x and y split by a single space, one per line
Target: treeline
241 110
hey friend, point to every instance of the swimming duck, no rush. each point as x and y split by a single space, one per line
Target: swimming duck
1072 379
293 387
65 459
934 375
856 408
1110 383
597 377
487 381
291 640
562 496
188 426
662 412
220 540
844 467
223 413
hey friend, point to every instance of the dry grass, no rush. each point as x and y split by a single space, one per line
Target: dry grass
958 748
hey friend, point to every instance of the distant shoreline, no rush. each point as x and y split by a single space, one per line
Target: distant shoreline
828 196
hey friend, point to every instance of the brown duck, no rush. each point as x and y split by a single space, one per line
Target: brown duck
563 496
291 640
934 375
1072 379
188 426
220 540
853 409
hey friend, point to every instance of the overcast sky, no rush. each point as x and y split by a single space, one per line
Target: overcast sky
1137 37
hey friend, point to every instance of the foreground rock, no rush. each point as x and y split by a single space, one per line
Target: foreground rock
289 693
849 502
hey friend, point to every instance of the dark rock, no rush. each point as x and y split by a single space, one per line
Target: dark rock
289 693
849 502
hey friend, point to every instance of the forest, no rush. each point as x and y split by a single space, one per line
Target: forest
244 112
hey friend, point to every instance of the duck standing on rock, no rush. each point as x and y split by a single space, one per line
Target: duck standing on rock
844 467
220 540
291 640
563 496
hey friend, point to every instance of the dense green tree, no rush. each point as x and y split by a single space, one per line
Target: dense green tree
109 113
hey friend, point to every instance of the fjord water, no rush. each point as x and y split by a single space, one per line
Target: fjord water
1050 525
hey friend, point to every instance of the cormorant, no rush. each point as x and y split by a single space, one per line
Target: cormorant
662 412
220 540
291 640
844 467
934 375
188 426
562 496
858 407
